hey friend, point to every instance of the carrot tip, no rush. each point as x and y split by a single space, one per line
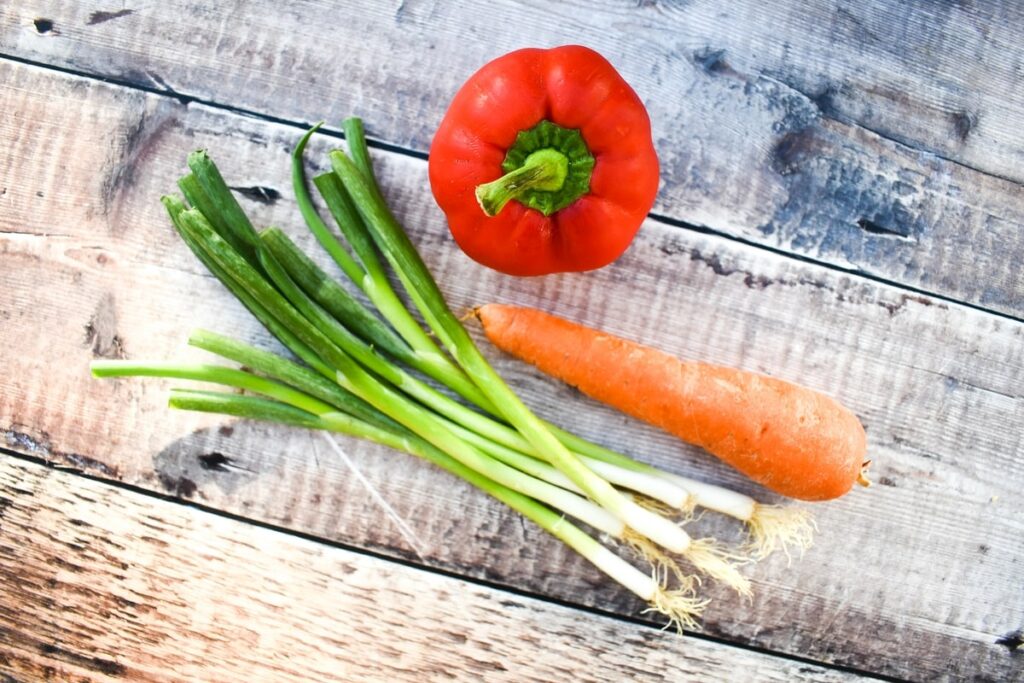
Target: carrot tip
862 476
776 526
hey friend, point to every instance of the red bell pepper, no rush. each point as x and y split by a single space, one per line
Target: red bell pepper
544 162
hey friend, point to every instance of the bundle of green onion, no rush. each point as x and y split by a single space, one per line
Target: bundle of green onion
367 374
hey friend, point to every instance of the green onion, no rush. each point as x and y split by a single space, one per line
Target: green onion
334 298
423 290
496 438
678 605
373 281
219 205
319 229
292 374
357 380
340 206
248 407
356 138
566 501
212 373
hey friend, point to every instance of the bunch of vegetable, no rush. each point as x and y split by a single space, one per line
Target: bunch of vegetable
375 374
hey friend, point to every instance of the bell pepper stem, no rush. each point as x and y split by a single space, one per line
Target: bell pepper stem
544 170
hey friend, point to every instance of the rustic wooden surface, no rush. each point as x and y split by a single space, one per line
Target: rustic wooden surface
113 585
879 137
919 577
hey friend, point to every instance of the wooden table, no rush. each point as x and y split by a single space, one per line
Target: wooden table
841 205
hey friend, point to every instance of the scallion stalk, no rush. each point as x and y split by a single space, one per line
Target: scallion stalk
332 246
680 606
176 210
353 377
566 501
424 292
334 298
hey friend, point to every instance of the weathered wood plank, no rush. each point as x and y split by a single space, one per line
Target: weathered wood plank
917 577
883 138
102 584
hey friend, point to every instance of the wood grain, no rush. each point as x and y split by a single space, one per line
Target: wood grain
882 138
918 576
106 585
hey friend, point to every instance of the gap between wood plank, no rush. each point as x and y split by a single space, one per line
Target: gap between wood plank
131 488
187 99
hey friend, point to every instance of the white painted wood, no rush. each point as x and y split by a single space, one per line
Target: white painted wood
917 577
879 137
103 584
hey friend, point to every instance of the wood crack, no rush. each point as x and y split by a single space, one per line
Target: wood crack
754 280
26 233
39 447
167 90
102 17
822 101
1014 641
994 392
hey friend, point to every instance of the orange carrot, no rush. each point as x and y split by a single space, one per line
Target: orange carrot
789 438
